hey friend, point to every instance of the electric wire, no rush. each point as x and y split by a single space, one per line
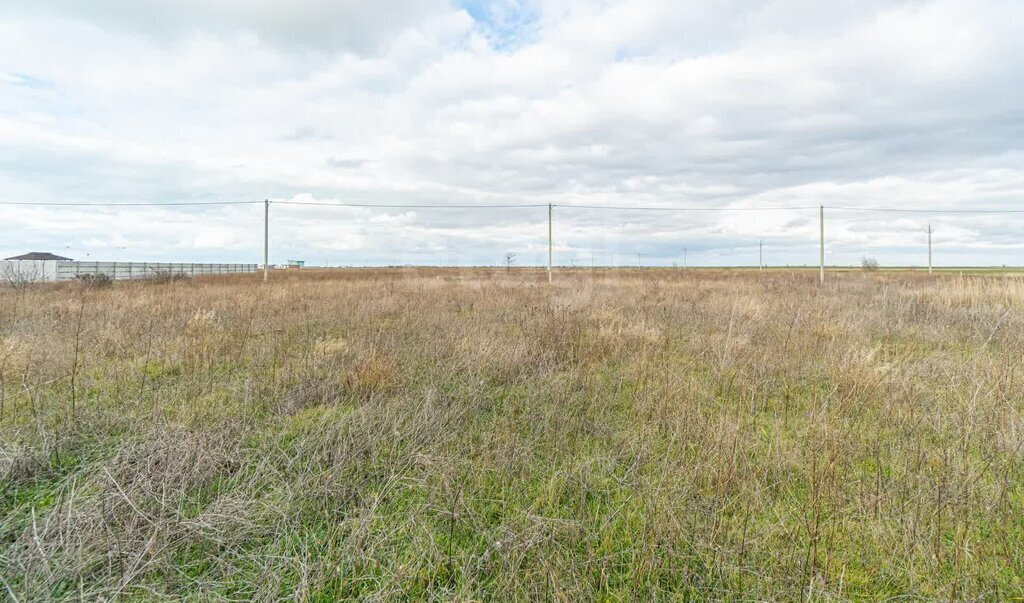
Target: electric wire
130 204
513 206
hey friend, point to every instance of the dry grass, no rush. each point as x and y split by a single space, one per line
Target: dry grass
480 435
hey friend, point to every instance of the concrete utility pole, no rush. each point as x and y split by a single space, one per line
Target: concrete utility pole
550 252
821 250
929 249
266 240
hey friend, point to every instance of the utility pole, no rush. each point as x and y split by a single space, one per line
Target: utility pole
929 249
550 253
760 255
821 249
684 258
266 240
639 264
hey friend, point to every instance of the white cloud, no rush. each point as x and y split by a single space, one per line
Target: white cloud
622 102
354 25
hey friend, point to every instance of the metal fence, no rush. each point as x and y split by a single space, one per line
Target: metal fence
64 270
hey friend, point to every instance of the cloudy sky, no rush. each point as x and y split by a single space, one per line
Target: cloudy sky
625 103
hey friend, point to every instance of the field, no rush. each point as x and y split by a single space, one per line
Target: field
480 435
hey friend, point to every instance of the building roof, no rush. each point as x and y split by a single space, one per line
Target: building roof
38 255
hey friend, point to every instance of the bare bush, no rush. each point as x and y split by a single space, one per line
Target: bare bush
21 276
166 276
97 280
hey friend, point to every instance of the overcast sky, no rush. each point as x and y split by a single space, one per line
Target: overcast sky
634 103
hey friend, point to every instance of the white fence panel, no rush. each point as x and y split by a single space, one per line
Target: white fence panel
69 270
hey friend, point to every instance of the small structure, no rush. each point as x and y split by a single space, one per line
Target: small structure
296 264
38 255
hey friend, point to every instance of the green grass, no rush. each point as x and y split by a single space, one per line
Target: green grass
651 435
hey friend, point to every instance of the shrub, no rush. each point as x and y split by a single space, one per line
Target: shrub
98 280
166 276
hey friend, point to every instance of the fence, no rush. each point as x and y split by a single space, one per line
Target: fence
65 270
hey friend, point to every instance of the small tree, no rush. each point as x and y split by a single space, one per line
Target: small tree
510 260
869 264
21 276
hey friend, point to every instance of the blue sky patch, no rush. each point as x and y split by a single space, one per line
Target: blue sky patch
29 81
508 24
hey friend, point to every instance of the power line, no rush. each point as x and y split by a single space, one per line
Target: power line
929 211
132 204
627 208
409 206
529 205
514 206
801 207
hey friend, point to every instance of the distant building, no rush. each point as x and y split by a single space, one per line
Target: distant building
294 264
39 255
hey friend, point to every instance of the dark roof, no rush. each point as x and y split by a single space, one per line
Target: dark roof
38 255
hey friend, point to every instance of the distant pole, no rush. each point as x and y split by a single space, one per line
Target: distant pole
550 245
760 255
266 240
929 249
821 249
639 264
684 258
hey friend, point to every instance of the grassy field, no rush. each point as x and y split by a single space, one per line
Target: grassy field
479 435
